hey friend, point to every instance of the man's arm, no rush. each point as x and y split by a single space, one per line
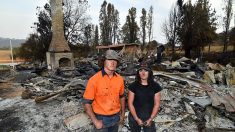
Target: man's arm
98 123
88 98
122 100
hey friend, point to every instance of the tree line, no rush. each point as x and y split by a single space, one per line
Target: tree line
191 26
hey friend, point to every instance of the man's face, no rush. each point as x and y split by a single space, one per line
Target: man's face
143 74
110 64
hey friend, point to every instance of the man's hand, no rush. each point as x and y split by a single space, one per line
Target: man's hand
122 118
98 124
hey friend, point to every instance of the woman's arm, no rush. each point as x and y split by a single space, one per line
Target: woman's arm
131 97
156 106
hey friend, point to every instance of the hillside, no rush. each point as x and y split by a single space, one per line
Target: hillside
5 42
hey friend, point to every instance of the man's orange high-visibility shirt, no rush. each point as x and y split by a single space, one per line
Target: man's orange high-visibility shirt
105 93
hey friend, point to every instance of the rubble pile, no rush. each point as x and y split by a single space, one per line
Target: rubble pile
184 108
195 97
193 93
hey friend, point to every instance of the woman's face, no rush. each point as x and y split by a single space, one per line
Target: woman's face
144 74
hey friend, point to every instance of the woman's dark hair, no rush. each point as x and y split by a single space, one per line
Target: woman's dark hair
150 78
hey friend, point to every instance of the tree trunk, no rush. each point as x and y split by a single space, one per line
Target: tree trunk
187 52
225 47
200 53
173 48
209 48
234 47
225 41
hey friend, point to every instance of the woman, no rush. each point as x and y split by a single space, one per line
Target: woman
143 100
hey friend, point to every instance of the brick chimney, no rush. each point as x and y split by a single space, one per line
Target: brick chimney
59 54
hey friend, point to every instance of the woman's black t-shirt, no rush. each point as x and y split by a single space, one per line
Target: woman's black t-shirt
144 98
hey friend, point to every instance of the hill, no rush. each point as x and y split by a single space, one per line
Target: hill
5 42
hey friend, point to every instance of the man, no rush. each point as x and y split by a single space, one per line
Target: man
103 99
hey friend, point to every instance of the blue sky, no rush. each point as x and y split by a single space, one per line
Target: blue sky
17 16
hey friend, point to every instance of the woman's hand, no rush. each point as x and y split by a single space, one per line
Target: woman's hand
139 122
148 123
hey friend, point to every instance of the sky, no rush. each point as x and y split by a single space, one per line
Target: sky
17 16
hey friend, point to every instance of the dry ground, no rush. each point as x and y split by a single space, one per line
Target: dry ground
7 90
5 57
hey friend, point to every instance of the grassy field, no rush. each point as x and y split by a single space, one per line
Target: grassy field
213 49
5 57
217 48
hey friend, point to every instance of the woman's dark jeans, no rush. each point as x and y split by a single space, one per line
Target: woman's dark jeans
136 128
